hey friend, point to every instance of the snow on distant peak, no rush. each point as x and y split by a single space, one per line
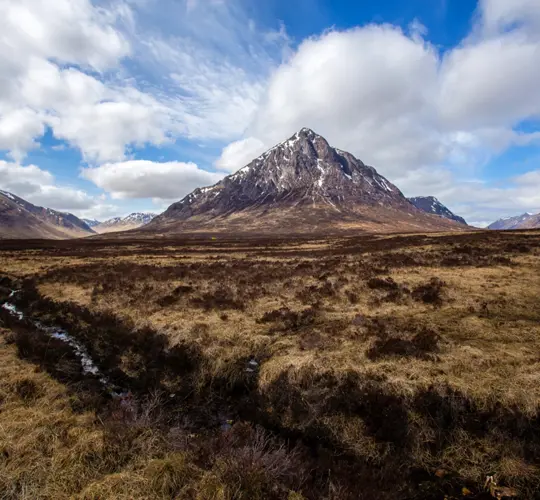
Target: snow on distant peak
9 195
140 218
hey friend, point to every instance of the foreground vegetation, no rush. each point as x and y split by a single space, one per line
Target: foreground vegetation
367 367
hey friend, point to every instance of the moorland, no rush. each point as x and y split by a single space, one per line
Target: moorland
373 366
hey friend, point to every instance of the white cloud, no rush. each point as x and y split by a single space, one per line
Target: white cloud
530 178
148 179
67 30
100 115
18 129
367 90
38 187
62 198
491 83
389 98
40 40
498 15
114 126
23 179
239 153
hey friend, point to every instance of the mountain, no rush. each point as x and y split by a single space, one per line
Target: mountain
523 221
91 222
532 222
132 221
302 185
432 205
21 219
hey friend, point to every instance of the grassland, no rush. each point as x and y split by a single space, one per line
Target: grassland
395 366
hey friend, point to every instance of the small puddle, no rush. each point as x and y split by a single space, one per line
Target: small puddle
87 364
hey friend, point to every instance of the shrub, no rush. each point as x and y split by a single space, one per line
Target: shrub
27 389
292 320
430 293
421 345
222 298
382 284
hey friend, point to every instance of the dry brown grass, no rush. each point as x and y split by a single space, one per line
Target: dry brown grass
52 451
417 352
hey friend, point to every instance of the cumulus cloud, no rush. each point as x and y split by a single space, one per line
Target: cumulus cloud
51 56
239 153
499 15
368 90
114 125
38 187
23 179
148 179
491 83
18 130
400 106
66 30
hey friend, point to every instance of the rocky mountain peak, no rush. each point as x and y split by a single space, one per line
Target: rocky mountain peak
303 181
432 205
302 170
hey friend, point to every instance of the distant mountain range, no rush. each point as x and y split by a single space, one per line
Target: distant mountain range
21 219
432 205
523 221
302 185
131 221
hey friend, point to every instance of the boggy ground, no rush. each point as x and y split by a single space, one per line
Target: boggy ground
395 366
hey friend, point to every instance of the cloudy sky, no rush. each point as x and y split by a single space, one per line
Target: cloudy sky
108 107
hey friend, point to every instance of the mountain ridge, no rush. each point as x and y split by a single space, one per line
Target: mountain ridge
432 205
22 219
523 221
131 221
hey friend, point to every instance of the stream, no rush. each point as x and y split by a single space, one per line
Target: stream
87 363
89 367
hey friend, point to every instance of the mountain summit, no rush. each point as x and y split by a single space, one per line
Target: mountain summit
301 185
432 205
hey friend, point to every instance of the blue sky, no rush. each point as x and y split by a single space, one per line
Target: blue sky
109 107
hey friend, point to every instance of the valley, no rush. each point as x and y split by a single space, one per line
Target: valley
371 366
